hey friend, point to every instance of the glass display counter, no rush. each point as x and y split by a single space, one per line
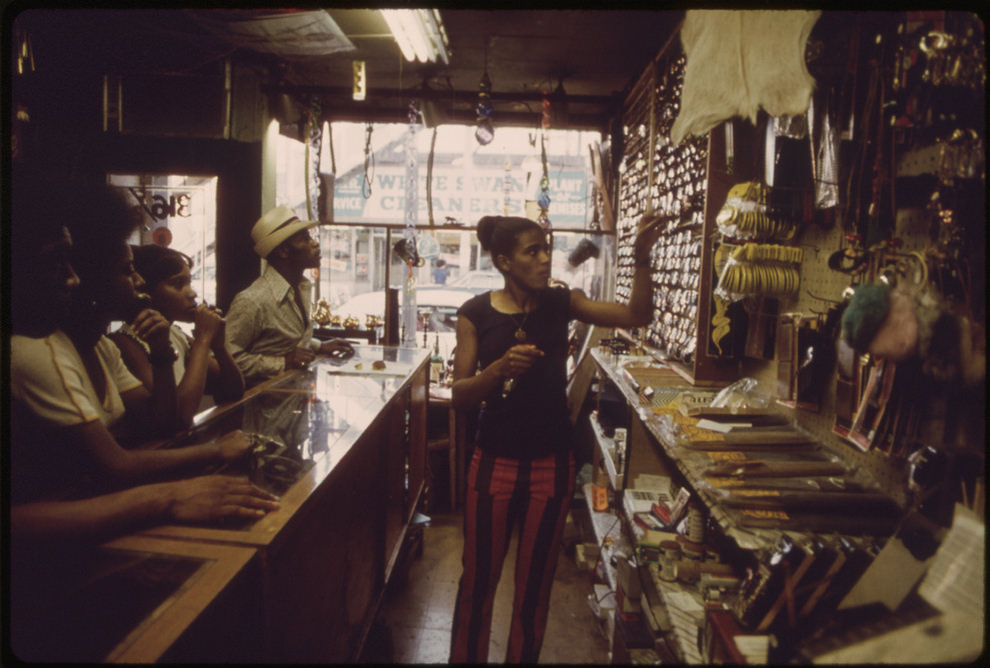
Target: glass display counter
343 444
136 600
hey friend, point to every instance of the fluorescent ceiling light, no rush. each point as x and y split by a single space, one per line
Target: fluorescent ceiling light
419 33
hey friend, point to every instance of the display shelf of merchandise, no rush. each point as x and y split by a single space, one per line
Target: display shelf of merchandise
693 464
607 447
608 534
686 611
683 609
745 538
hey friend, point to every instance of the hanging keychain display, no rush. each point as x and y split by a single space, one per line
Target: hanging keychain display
543 200
314 143
411 258
369 163
485 131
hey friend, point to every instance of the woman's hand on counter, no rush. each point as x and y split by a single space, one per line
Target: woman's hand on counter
215 497
234 445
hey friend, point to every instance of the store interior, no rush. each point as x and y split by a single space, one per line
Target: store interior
786 465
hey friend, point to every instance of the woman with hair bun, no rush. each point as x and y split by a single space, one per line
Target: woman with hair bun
511 360
203 364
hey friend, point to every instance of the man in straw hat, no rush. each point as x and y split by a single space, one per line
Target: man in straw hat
268 325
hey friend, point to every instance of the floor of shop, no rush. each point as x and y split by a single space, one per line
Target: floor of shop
415 617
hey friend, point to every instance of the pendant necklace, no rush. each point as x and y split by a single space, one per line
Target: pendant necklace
520 334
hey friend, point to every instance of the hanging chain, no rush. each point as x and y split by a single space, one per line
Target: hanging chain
314 144
409 310
543 201
412 175
429 178
369 163
507 187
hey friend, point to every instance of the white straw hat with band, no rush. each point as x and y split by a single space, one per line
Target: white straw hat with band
275 227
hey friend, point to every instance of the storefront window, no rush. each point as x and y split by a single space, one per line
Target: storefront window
468 182
178 212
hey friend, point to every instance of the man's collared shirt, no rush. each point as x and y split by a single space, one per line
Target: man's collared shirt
264 323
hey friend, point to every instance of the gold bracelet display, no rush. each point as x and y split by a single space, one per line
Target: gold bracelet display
744 215
761 269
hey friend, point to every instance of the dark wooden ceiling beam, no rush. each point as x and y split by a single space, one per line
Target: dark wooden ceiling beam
440 94
346 110
337 100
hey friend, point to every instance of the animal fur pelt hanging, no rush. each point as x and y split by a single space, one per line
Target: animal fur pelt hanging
739 61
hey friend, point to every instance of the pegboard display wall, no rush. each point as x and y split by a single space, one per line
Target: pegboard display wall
820 289
927 194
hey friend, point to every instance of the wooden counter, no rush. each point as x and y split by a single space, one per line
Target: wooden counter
137 600
350 471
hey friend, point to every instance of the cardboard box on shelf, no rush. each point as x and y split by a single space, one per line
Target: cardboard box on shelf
586 555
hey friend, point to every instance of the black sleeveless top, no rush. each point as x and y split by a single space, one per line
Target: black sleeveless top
533 420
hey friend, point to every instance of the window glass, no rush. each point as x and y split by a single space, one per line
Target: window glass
468 182
178 212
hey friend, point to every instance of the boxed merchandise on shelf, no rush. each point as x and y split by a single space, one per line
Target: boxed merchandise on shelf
636 500
648 546
628 576
608 533
586 555
606 446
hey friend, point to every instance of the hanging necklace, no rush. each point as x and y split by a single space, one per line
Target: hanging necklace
520 334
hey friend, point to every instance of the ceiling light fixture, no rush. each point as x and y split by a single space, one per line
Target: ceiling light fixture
419 33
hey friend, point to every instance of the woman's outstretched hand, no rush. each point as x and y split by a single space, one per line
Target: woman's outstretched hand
647 233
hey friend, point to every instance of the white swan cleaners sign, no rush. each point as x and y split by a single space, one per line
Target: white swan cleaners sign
458 194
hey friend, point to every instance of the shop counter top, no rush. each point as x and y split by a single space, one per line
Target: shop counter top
343 447
137 600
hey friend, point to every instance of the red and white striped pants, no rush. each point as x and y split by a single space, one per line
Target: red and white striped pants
500 494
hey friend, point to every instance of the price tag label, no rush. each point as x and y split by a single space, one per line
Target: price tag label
724 482
758 492
728 456
766 514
